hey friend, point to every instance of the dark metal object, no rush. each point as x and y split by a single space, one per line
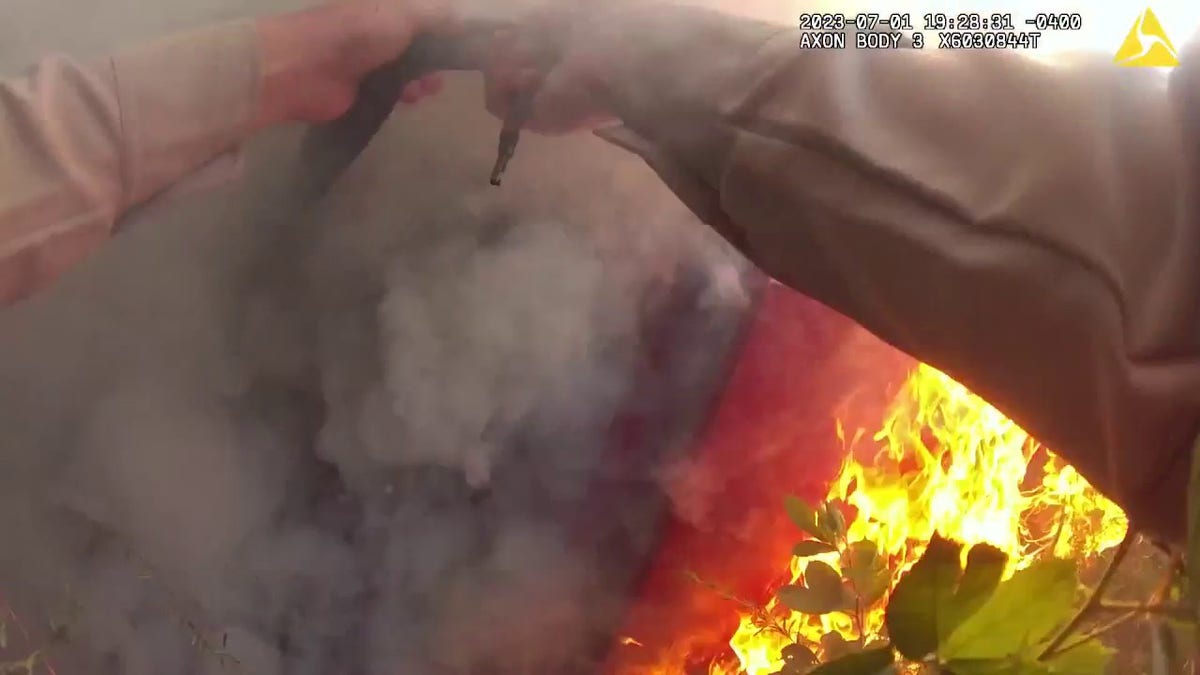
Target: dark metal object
510 134
504 152
329 149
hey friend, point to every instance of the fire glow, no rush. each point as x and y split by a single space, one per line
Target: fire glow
946 462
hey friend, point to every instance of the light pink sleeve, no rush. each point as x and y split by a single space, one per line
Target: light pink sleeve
81 143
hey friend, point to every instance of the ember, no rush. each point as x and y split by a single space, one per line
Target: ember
943 462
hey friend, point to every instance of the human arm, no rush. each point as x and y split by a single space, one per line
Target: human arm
83 142
1031 229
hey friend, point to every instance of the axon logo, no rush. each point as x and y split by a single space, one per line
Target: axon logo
1147 45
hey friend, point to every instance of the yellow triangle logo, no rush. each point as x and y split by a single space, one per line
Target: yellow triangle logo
1147 45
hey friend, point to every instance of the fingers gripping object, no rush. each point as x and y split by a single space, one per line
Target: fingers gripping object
329 149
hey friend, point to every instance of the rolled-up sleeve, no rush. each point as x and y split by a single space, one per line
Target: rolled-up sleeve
82 142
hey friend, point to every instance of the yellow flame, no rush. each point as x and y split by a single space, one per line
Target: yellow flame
945 462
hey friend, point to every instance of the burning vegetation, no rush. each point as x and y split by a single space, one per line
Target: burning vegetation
943 464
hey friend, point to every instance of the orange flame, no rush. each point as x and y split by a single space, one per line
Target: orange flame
945 462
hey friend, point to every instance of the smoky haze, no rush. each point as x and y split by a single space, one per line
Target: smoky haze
378 447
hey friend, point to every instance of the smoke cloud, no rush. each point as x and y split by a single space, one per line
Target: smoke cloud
390 450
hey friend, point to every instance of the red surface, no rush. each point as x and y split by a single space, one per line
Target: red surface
801 367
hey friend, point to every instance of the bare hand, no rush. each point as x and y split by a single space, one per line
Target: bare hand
314 60
566 55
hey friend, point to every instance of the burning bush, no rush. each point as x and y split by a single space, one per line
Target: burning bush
951 541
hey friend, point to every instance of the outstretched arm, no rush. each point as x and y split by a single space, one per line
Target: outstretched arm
1031 229
83 142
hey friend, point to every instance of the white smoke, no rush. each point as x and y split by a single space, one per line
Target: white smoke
523 322
385 466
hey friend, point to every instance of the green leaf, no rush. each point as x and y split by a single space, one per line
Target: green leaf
820 594
985 568
821 577
831 520
867 571
805 517
807 549
798 654
863 552
792 669
921 600
1022 612
870 662
804 600
834 646
1088 658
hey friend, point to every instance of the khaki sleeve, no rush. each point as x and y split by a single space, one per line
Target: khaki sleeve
84 142
1031 229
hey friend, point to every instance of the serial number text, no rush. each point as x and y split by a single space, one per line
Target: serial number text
988 40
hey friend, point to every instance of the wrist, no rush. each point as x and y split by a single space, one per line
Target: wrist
308 64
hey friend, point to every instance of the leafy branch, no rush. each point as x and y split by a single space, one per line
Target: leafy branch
859 582
946 618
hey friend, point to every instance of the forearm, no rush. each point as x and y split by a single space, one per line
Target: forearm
1021 226
85 142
